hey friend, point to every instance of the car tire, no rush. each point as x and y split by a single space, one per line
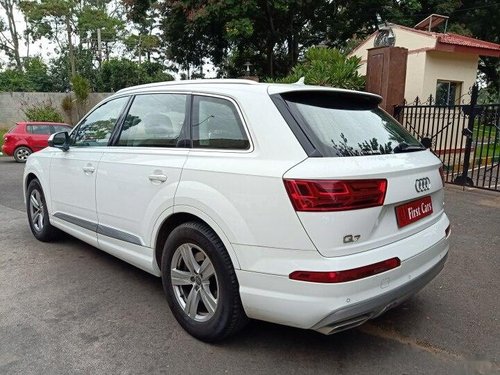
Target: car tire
200 283
38 215
21 154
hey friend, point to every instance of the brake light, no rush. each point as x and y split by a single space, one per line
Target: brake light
441 173
347 275
335 195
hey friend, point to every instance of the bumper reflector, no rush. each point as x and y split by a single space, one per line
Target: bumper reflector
346 275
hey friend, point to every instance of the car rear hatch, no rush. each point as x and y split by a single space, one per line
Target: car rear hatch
367 181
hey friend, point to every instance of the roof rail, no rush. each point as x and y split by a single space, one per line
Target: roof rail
192 81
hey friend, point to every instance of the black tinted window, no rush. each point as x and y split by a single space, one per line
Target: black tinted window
154 120
38 129
59 128
217 124
97 127
343 124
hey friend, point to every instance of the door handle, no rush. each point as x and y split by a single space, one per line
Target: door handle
157 178
88 169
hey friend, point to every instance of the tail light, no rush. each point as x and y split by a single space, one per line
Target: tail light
347 275
441 173
335 195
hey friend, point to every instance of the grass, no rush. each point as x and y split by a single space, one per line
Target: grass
482 131
2 132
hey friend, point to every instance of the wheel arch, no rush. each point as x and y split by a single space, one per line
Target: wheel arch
29 177
183 216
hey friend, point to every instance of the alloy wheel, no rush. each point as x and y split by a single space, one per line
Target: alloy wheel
22 154
37 211
194 282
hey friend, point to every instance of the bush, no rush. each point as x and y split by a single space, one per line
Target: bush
327 67
43 112
81 88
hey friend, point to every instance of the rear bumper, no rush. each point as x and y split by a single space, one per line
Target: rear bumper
7 150
329 308
356 314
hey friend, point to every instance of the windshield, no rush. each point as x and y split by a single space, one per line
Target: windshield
340 126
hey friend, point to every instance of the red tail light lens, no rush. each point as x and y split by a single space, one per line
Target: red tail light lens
441 173
347 275
335 195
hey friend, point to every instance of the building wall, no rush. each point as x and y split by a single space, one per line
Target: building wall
449 67
12 104
404 38
425 67
415 73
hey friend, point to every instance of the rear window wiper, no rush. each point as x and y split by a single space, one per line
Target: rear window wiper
405 147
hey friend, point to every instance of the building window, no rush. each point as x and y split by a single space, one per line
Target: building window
448 92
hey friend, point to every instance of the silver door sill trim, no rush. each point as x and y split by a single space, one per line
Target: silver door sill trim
101 229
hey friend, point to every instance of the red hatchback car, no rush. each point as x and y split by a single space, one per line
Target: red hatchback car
28 137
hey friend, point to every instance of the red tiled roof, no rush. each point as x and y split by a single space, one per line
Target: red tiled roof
461 40
458 43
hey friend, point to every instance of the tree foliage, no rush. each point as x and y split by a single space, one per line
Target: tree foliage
9 36
327 67
42 112
118 74
271 35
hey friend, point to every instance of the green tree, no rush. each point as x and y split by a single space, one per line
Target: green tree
117 74
327 67
69 23
37 75
13 80
9 36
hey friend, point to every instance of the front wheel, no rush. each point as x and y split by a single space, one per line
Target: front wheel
38 215
21 154
200 283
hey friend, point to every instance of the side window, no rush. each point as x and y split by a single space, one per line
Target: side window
154 120
96 128
217 124
38 129
59 128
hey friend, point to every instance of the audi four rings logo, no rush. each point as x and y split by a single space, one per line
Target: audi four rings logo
422 184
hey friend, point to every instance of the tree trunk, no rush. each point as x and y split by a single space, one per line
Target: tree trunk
271 41
70 47
270 58
8 6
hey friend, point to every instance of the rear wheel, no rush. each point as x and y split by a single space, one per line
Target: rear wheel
200 283
38 215
21 154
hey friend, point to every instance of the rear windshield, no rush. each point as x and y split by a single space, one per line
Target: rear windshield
343 124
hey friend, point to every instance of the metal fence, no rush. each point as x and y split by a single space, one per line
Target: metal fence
466 137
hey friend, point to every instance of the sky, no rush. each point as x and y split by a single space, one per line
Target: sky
46 49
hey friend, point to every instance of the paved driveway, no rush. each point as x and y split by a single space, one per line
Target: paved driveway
69 308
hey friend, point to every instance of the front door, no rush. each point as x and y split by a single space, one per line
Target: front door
73 173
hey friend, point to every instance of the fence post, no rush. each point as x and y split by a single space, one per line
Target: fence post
468 132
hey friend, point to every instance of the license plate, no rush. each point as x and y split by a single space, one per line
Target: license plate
413 211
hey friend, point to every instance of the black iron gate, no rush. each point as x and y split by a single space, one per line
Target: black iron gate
466 137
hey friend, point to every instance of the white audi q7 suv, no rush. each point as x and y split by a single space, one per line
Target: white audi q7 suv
299 205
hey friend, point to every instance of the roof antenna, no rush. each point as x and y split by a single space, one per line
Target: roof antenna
300 81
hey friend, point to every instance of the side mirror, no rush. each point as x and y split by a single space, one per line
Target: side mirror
59 140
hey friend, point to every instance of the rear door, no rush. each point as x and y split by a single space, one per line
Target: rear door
138 176
38 136
370 183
